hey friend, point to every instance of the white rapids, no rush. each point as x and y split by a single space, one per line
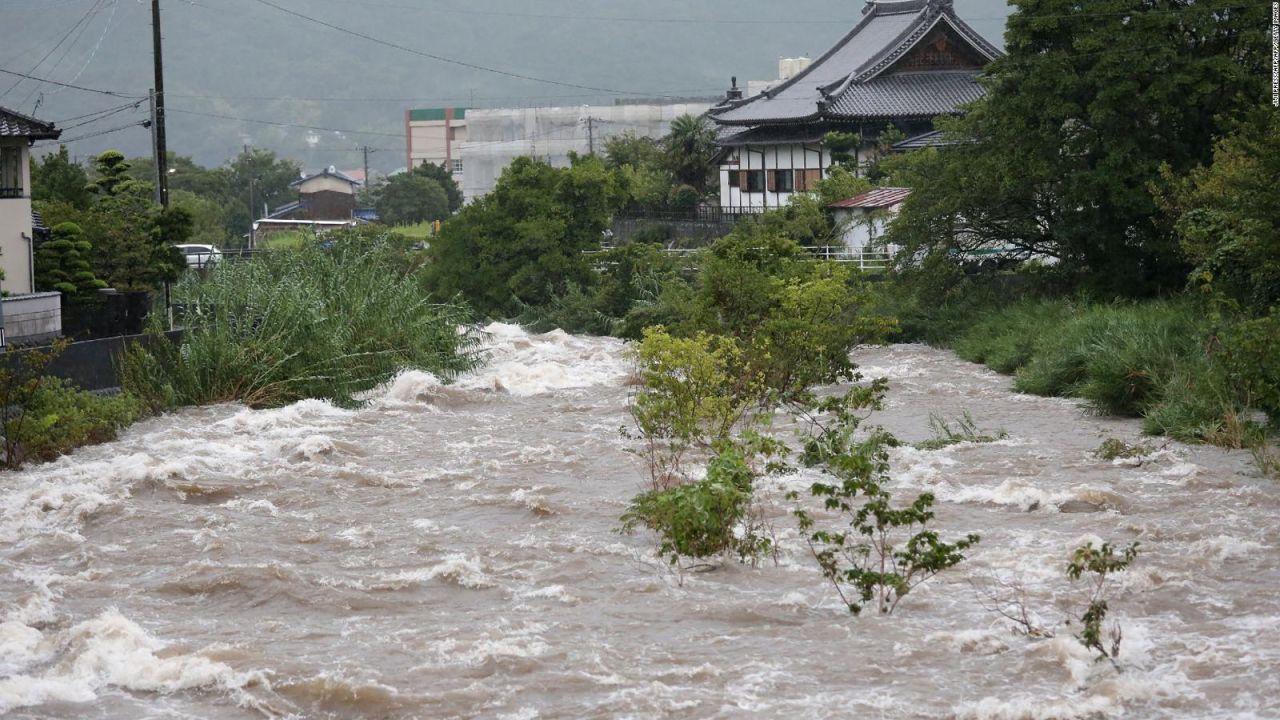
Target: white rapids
449 551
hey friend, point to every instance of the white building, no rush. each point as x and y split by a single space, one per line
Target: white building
26 313
497 136
904 63
436 135
863 218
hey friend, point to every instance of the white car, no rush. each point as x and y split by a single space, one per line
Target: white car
200 256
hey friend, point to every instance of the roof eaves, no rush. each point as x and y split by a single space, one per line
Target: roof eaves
912 36
37 130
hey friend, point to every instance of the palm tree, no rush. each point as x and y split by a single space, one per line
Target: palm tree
690 149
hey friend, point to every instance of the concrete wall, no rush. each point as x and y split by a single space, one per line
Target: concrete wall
15 229
437 141
33 316
500 135
862 228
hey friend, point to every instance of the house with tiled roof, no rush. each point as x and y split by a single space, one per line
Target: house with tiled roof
904 63
25 312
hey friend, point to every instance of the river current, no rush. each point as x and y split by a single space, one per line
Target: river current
450 552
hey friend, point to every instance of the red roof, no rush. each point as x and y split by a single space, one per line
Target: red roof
879 198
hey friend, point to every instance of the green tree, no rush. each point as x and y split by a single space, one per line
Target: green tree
411 198
57 179
208 217
444 178
844 147
524 242
1056 161
1227 218
690 148
630 149
62 264
111 176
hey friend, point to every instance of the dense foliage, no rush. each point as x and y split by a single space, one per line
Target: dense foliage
524 243
309 323
62 264
1055 163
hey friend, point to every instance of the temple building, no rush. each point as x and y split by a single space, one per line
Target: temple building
904 63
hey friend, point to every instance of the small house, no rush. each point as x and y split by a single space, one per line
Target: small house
864 217
27 314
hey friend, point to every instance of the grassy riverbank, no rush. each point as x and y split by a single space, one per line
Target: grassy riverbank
1189 371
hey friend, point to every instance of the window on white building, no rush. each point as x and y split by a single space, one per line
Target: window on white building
755 181
784 181
457 167
10 172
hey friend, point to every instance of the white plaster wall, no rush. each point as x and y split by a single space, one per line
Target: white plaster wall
326 182
15 230
770 157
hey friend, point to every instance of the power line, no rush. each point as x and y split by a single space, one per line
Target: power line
284 124
63 141
441 58
112 93
54 49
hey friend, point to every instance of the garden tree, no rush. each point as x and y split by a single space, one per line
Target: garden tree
56 179
1227 218
1055 160
844 148
630 149
410 198
62 264
441 175
111 176
524 242
689 149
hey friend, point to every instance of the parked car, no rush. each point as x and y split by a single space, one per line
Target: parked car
200 256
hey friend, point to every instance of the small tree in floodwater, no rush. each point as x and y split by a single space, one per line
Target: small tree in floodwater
1095 565
877 552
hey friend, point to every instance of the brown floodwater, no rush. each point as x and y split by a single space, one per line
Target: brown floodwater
451 552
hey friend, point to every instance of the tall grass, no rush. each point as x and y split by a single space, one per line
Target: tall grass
308 323
1157 360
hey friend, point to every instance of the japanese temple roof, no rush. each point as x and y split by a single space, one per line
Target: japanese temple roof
863 75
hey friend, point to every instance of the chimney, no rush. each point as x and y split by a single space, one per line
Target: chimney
735 92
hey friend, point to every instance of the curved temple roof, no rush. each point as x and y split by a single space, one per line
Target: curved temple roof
861 76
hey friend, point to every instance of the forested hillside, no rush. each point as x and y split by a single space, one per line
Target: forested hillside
231 62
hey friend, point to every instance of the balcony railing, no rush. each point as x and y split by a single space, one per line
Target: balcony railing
11 193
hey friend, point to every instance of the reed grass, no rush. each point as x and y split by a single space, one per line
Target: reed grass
306 323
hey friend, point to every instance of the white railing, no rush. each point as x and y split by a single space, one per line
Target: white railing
866 260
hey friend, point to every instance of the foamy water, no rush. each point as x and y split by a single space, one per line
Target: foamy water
449 551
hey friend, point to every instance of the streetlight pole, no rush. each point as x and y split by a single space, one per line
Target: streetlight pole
252 180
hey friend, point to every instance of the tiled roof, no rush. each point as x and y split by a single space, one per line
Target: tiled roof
879 198
772 135
331 171
15 124
888 30
916 94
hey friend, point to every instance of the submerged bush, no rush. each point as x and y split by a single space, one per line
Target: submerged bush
705 518
60 418
289 325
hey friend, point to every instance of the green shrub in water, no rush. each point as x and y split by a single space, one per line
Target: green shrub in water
705 518
311 323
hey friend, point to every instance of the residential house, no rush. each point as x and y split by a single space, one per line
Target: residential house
904 63
27 314
864 217
326 200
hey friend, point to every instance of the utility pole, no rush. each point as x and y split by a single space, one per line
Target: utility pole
157 171
161 149
366 166
591 135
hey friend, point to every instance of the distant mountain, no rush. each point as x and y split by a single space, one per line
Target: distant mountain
259 60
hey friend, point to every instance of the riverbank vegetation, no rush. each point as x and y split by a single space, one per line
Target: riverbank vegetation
309 323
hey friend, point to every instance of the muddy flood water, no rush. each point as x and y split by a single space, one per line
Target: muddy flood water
450 552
